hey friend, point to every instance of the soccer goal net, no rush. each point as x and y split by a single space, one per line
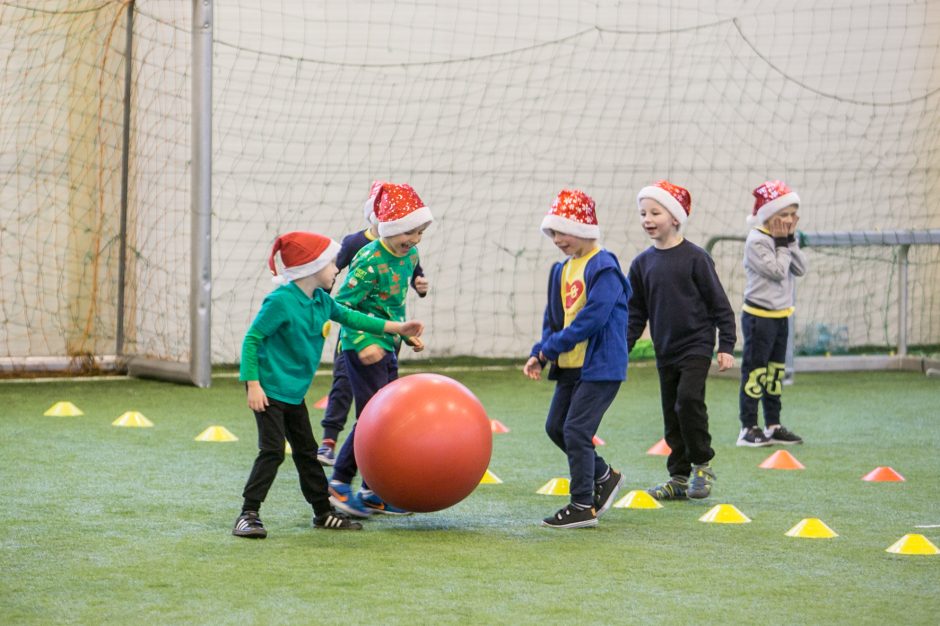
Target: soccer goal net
487 109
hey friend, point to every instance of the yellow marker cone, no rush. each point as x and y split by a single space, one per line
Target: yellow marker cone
555 487
913 544
216 433
287 448
489 478
812 528
725 514
63 409
637 500
133 419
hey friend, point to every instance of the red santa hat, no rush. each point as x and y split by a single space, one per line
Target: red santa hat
302 254
675 199
368 209
399 209
771 197
572 213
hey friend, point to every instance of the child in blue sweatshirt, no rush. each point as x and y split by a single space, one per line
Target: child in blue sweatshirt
584 336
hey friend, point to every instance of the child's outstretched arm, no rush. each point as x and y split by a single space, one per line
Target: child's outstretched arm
409 331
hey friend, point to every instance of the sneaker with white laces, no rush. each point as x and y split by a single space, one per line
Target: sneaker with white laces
701 484
572 517
326 455
342 498
607 490
335 520
375 504
779 434
676 488
753 437
249 525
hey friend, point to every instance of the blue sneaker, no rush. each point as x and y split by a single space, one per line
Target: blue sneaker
342 498
376 504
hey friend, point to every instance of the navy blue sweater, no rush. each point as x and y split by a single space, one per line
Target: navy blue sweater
602 321
677 290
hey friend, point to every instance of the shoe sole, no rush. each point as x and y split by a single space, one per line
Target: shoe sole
378 511
613 496
747 444
326 462
786 443
585 524
250 534
349 510
699 496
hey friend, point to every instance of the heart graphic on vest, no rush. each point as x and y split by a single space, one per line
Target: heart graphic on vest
573 291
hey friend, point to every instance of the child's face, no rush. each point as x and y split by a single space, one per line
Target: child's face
657 221
401 244
786 216
326 277
572 246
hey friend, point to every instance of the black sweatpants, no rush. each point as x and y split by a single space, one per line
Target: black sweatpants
685 416
291 422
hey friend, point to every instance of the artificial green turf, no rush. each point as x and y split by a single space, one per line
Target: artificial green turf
132 525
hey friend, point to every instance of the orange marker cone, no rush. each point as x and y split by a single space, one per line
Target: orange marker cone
498 427
597 441
321 403
781 459
660 448
883 475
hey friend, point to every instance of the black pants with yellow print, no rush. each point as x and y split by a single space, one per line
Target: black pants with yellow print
762 367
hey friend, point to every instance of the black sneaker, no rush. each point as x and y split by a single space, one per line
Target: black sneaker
672 489
606 491
249 525
572 517
701 484
753 437
781 435
335 520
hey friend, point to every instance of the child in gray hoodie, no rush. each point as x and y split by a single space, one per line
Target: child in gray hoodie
772 261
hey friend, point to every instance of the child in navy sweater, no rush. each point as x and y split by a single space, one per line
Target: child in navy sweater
676 289
584 336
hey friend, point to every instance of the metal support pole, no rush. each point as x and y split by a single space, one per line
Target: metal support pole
125 173
200 301
903 265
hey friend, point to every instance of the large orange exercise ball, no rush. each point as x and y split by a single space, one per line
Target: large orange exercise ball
423 442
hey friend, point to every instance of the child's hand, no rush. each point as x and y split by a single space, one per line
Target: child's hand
421 285
416 344
792 230
532 368
412 328
257 399
725 361
777 227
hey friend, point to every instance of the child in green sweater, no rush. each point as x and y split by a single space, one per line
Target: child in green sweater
280 355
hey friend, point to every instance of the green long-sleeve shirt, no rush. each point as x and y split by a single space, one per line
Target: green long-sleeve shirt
377 284
282 347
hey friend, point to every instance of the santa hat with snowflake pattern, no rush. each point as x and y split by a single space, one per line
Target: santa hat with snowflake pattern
771 197
572 213
302 254
398 209
675 199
